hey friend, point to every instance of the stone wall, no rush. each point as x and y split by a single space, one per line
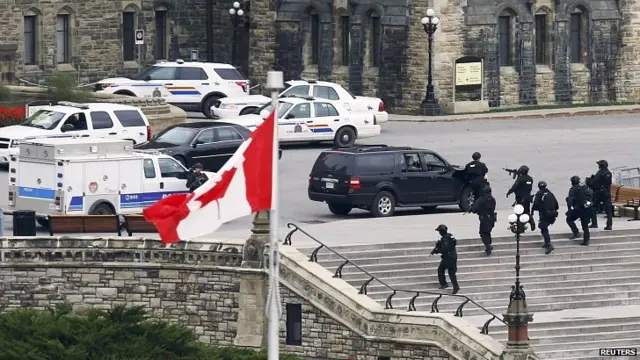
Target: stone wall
203 286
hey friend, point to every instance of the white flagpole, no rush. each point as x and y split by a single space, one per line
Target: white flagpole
275 83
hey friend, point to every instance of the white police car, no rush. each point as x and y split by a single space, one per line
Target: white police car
306 119
242 105
191 86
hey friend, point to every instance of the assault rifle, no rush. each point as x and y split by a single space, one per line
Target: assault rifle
512 172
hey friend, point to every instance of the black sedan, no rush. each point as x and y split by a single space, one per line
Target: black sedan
208 143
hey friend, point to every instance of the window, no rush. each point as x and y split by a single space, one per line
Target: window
130 118
323 109
149 169
161 73
128 34
63 34
504 25
300 111
101 120
78 121
205 137
30 39
376 29
44 119
325 92
294 324
541 39
315 38
229 74
227 133
332 162
384 357
433 162
375 164
297 90
176 135
575 37
160 47
191 73
344 40
170 168
410 163
282 108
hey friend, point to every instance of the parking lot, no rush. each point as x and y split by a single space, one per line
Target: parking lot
554 149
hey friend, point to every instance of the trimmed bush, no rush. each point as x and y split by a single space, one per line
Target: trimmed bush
63 87
119 334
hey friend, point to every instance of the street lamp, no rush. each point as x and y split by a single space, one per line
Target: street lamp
517 317
237 13
429 105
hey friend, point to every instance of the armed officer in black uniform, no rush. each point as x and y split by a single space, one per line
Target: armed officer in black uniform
579 208
446 247
601 183
546 204
485 207
522 187
195 177
477 173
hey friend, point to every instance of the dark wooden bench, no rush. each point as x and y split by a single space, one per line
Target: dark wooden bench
136 223
83 224
626 197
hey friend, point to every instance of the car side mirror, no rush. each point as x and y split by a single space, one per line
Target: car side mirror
67 127
444 171
147 78
264 114
181 176
289 116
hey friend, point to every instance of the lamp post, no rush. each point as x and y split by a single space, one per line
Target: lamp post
237 13
429 105
517 317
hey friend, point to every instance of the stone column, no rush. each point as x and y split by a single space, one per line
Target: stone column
253 250
518 319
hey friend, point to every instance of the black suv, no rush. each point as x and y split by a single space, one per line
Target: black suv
379 178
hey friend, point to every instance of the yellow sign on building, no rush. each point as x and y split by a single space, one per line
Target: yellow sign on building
469 73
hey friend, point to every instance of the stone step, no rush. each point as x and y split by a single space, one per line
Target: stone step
584 348
499 330
595 337
488 271
499 255
471 286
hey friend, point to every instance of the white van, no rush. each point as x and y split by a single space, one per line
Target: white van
67 119
78 176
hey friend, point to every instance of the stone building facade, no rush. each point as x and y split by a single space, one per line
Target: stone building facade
534 52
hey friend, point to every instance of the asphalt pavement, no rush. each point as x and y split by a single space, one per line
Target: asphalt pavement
554 149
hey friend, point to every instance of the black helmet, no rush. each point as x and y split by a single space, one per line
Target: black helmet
476 156
442 228
575 180
524 170
542 185
197 166
602 163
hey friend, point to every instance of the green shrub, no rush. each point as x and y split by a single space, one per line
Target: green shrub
63 87
118 334
5 94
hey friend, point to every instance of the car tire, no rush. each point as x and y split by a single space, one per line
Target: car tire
43 222
466 199
340 209
248 110
102 209
429 208
345 137
208 104
384 204
181 160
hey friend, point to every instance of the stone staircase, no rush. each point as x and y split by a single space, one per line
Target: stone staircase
583 298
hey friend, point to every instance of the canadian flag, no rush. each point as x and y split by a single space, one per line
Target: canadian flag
240 188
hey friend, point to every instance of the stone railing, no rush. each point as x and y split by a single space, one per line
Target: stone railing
29 250
160 114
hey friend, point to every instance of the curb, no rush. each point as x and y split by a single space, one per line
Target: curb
517 116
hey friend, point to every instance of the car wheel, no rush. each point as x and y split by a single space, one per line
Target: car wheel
429 208
384 204
467 198
43 222
181 160
102 209
340 209
248 110
345 137
208 104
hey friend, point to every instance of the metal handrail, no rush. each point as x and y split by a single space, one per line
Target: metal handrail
388 304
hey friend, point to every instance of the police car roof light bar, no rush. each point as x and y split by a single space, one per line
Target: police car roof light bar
73 104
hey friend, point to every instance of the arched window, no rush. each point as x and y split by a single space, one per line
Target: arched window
578 34
313 38
343 39
63 35
374 39
543 39
129 25
31 36
506 24
160 48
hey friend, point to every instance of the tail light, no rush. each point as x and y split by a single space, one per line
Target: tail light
242 84
381 106
354 183
309 179
149 132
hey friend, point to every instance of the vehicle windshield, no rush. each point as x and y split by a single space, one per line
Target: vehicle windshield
44 119
176 136
282 108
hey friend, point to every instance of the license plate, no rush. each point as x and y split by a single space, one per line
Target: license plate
328 185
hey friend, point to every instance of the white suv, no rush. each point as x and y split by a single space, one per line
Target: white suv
67 119
191 86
